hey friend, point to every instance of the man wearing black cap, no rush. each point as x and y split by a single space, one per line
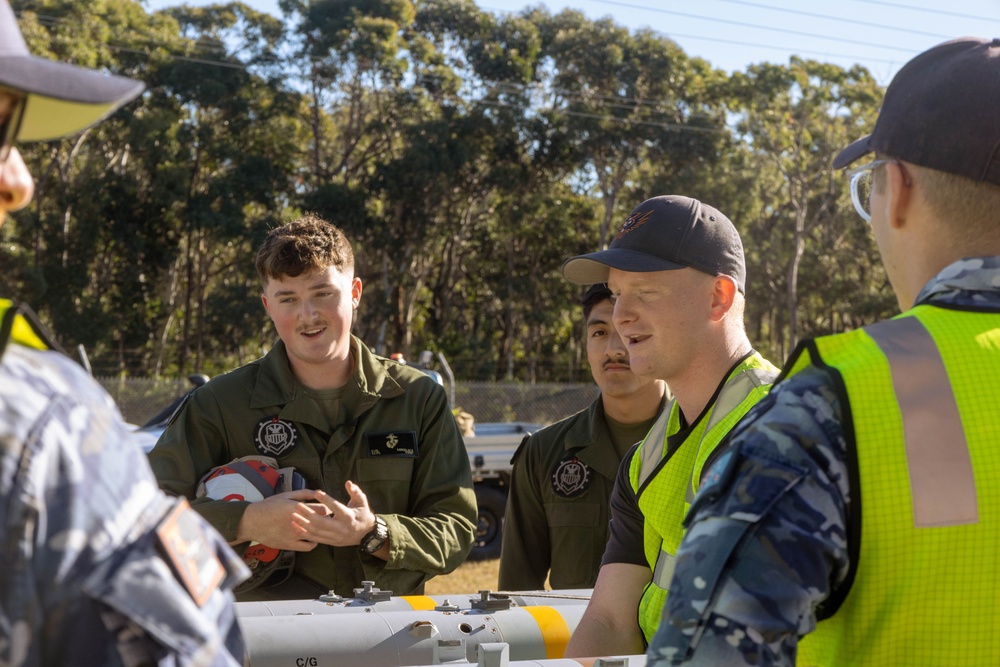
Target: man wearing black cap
99 567
853 519
677 274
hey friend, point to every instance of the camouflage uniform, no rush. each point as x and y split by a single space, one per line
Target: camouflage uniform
557 508
85 574
399 442
767 538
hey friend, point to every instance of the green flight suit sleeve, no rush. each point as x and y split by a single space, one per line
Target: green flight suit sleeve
525 552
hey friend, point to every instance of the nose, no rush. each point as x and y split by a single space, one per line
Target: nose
623 312
16 186
308 310
616 346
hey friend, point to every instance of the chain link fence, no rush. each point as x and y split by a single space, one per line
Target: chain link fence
141 399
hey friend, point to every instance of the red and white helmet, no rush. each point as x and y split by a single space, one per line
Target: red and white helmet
250 479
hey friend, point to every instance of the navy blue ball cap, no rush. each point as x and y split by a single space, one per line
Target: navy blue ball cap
941 111
662 234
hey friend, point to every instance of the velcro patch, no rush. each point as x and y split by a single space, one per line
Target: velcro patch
190 552
570 478
275 437
401 444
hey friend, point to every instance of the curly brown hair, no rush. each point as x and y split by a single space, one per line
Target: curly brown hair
305 245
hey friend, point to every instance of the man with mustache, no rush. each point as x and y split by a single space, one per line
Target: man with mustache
388 494
556 523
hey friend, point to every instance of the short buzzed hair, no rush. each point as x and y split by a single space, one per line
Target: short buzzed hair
306 245
595 295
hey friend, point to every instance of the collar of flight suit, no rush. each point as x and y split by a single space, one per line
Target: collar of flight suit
276 385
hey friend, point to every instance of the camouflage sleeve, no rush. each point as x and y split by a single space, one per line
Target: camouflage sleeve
100 567
766 539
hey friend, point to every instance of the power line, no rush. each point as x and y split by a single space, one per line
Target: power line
937 12
798 12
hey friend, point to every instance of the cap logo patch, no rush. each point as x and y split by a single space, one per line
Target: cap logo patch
275 437
571 478
633 222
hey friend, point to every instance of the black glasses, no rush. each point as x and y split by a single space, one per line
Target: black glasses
10 123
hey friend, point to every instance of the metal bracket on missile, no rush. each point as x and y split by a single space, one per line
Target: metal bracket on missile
493 655
611 662
488 601
371 594
330 597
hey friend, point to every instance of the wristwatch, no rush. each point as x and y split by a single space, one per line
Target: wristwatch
374 540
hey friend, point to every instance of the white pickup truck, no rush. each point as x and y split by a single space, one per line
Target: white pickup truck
490 451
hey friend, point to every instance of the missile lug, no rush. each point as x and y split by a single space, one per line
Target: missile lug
489 601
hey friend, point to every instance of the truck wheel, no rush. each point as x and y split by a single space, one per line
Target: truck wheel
492 503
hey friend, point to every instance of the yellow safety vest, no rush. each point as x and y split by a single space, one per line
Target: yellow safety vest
22 330
922 395
665 487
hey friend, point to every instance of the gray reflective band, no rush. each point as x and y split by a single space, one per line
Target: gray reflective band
734 393
664 570
651 450
942 484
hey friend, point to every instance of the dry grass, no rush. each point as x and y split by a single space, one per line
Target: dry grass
470 577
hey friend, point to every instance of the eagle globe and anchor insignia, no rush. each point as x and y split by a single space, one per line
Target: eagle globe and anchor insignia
275 437
571 478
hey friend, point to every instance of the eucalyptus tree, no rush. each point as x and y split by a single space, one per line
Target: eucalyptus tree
626 101
812 265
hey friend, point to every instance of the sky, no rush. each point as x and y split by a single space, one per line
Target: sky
732 34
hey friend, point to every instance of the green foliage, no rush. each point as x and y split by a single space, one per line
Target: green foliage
466 156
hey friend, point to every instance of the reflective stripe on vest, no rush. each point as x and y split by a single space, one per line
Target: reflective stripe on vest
942 486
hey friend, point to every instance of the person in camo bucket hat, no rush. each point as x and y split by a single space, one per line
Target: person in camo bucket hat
100 567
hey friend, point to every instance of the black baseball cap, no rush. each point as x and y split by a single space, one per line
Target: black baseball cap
664 233
61 99
942 111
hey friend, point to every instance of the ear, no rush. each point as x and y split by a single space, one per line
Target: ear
263 299
355 292
898 197
723 296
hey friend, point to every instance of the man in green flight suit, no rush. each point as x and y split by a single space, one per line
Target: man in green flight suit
389 494
556 524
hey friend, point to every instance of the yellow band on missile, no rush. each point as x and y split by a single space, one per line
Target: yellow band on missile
555 632
420 602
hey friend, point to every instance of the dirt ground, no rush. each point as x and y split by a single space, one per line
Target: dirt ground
470 577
